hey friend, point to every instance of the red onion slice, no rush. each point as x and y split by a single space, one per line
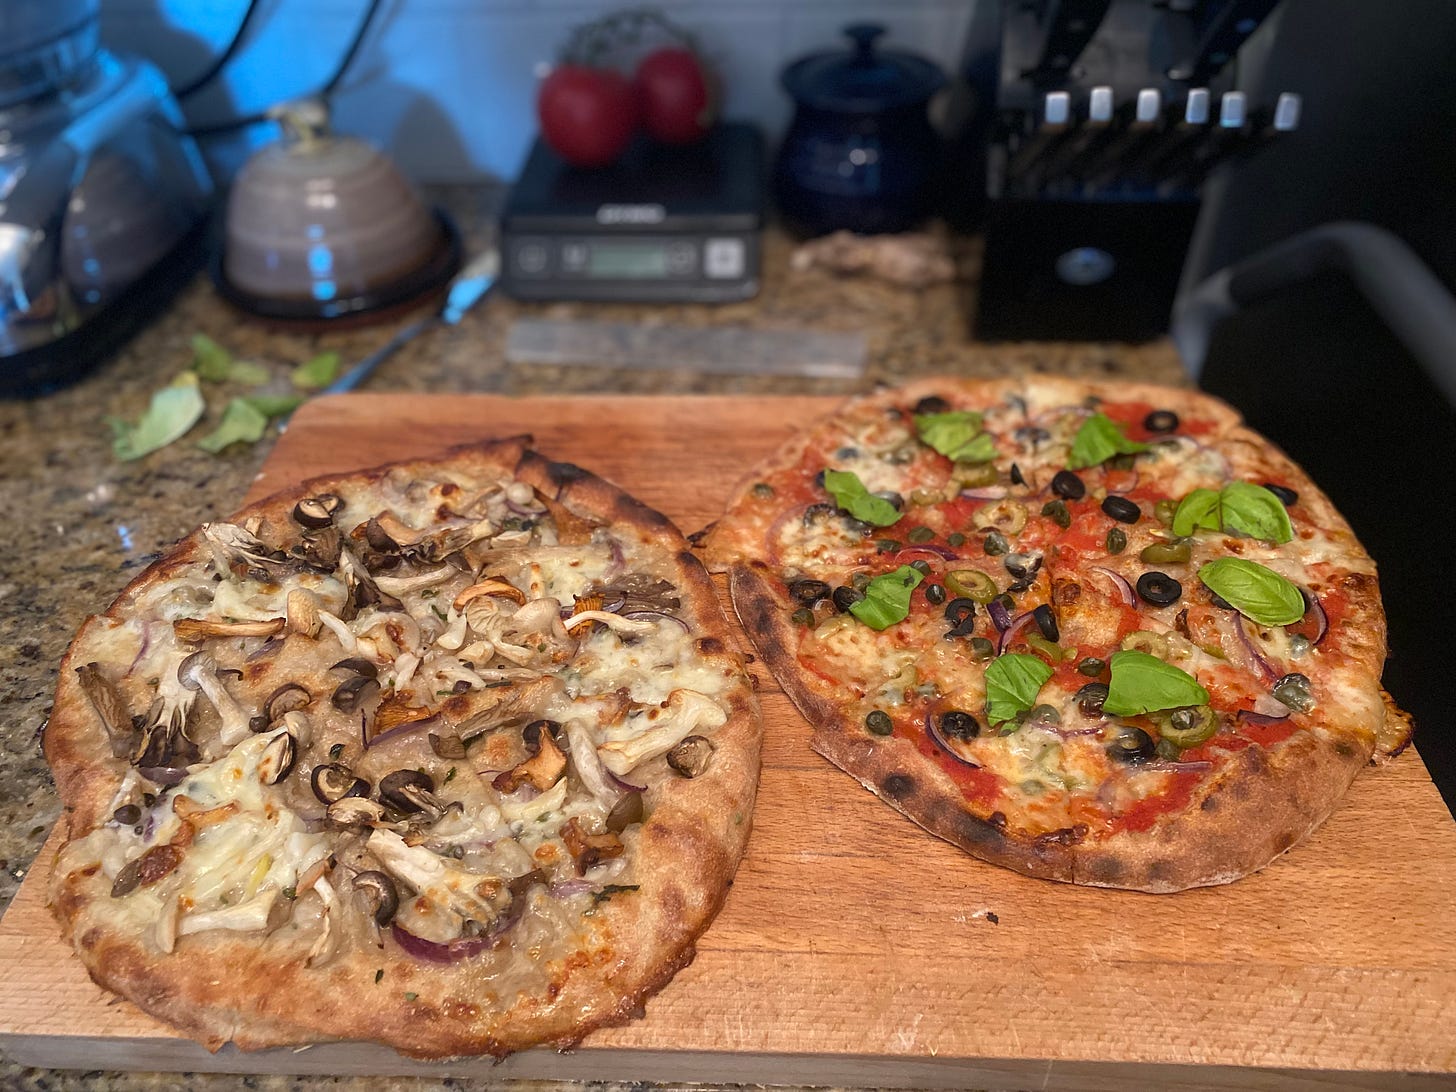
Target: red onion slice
656 616
1158 765
1266 668
567 888
401 730
991 492
461 948
1011 633
1000 616
926 551
1312 606
933 731
163 775
623 783
1261 719
1124 589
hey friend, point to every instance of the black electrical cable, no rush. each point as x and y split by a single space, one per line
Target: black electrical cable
220 61
233 124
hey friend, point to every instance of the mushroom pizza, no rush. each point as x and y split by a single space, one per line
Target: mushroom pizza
453 755
1098 633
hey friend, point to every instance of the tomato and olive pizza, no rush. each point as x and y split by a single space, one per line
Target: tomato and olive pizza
1097 633
453 755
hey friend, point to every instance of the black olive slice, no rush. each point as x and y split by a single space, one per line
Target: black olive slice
932 403
808 591
846 597
956 724
1159 589
1131 745
1121 509
1287 497
1089 698
1046 621
1067 484
1161 421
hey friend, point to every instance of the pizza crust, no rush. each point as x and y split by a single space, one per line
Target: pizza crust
219 987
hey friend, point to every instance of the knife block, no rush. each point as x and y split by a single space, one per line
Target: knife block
1081 269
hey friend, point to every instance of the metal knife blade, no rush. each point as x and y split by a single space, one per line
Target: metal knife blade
1111 160
1055 116
1082 136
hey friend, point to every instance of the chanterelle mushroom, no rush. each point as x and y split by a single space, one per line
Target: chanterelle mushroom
545 766
684 712
199 672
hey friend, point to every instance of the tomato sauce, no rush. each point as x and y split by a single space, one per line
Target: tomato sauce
1130 415
1142 815
977 785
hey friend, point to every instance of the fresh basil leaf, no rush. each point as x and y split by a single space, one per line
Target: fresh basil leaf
173 411
1254 591
1199 509
956 435
1013 680
319 372
209 359
1098 440
274 405
1255 511
851 495
241 423
887 598
1142 683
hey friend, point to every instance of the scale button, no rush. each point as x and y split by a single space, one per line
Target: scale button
724 258
531 258
574 257
682 258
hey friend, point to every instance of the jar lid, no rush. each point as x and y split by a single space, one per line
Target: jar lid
864 80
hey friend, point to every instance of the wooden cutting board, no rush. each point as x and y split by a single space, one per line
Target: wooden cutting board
856 949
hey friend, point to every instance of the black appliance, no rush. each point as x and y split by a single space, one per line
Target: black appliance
662 224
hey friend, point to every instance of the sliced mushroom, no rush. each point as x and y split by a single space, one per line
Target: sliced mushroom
625 812
317 511
193 630
355 811
491 586
589 850
278 758
546 764
110 706
447 746
199 672
358 666
303 613
287 698
404 585
146 870
355 692
388 533
632 627
692 756
333 781
320 550
376 894
410 791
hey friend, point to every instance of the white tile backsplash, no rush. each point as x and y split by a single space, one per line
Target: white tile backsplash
448 86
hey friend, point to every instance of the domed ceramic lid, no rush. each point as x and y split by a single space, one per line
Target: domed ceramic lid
864 80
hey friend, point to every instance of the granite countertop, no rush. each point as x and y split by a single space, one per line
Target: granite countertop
81 524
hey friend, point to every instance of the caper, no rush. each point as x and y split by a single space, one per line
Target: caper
920 535
1043 714
935 594
903 454
763 491
1166 553
897 502
886 545
879 723
807 591
1299 645
958 725
1293 690
845 597
1123 460
1031 788
859 581
1116 540
955 538
972 583
995 544
1016 476
926 496
1092 666
1057 512
921 566
982 649
1090 698
1164 510
803 616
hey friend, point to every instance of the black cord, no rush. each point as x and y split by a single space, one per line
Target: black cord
220 61
233 124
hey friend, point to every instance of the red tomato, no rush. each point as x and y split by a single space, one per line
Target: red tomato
588 115
677 104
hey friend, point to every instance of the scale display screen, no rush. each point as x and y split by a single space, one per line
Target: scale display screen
626 260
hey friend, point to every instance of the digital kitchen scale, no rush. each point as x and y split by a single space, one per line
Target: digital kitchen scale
661 225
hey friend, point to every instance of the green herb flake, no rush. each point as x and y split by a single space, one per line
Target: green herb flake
410 995
240 423
851 495
290 893
316 373
957 435
1013 680
887 598
1255 591
173 411
1142 683
450 775
1098 440
1239 508
336 750
274 405
439 613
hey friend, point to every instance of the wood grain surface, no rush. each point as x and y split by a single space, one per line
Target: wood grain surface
855 948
